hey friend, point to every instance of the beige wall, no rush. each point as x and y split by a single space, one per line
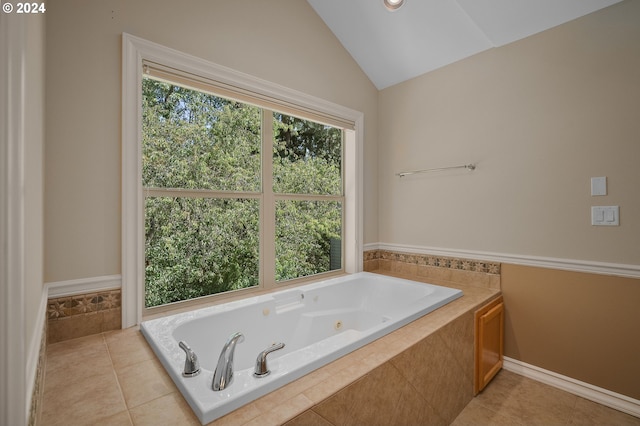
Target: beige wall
583 326
540 117
282 41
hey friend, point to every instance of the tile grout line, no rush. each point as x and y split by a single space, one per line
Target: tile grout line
113 369
516 419
574 409
175 392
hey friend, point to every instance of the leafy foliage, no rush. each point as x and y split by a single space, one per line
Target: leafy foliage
304 230
197 244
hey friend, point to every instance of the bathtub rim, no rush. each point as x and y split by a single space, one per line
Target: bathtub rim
274 385
173 308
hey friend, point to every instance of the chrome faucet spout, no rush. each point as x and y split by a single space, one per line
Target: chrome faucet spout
223 375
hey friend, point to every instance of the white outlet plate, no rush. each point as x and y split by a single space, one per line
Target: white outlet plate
605 215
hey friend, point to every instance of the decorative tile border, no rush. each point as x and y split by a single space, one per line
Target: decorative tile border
79 315
80 304
436 261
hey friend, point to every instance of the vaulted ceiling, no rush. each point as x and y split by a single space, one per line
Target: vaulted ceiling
424 35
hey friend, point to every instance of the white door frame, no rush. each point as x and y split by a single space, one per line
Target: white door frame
13 403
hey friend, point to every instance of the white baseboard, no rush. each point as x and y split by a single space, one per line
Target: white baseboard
83 285
33 354
585 390
593 267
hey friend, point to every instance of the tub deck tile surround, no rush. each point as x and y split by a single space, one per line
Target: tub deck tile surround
92 380
141 389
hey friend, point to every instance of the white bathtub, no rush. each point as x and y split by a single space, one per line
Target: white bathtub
318 323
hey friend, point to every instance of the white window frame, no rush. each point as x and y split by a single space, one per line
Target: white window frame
136 50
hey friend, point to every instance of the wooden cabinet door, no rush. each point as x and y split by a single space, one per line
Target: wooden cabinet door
489 342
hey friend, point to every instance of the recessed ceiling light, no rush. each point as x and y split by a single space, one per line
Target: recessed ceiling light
393 5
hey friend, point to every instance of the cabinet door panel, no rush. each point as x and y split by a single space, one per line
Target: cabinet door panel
489 342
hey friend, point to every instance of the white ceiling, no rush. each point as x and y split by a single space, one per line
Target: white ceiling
423 35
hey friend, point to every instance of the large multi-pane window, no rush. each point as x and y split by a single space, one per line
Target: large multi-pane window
235 195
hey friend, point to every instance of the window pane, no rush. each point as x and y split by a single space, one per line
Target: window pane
307 157
195 140
307 232
198 247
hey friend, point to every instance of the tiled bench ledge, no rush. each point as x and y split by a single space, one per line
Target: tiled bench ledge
434 269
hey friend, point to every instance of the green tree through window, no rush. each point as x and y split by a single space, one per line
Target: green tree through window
202 181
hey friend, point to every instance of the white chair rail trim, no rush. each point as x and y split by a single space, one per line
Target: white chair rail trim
593 267
83 286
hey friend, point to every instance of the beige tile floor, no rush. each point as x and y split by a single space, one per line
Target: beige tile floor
114 378
514 400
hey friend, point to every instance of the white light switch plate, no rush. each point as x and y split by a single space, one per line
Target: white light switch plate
599 185
605 215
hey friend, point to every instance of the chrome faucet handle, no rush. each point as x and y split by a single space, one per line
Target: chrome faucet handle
191 364
261 369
